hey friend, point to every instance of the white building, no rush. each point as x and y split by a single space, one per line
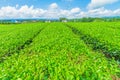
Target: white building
64 21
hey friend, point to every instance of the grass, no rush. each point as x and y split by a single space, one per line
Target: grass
101 36
57 53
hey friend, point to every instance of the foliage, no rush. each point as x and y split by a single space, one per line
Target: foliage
14 36
101 36
56 53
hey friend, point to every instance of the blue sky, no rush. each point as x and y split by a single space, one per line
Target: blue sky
44 3
58 8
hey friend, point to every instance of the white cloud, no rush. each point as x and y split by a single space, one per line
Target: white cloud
99 3
53 6
22 12
17 6
53 11
100 12
8 11
75 10
25 11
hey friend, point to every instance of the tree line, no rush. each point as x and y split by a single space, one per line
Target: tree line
90 19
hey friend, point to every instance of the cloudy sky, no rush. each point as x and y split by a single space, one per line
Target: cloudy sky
58 8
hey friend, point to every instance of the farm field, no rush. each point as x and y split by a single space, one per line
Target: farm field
103 37
60 51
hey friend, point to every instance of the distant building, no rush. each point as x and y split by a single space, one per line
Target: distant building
64 21
14 21
48 21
